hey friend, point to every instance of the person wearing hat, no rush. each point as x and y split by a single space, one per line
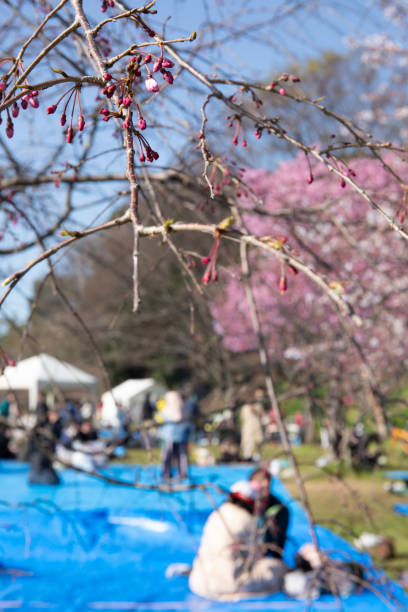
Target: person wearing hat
230 564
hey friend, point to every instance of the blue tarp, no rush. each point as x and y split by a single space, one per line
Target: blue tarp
401 508
397 474
88 545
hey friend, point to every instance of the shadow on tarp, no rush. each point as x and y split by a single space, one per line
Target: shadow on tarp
89 545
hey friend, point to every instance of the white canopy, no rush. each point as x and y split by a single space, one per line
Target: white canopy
45 373
130 395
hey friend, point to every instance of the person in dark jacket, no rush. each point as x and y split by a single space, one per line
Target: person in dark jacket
273 515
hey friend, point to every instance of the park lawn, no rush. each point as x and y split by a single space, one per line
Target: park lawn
350 502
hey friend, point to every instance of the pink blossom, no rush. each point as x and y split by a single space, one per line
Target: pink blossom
151 84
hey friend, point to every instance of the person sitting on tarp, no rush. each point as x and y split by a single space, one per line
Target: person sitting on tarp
41 451
273 515
5 452
230 564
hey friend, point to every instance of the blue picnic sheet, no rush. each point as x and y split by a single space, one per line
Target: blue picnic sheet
90 545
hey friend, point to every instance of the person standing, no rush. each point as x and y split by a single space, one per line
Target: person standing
174 434
252 435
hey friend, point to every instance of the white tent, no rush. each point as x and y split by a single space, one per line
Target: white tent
130 395
43 373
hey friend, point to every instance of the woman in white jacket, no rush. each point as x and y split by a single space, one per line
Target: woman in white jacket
230 564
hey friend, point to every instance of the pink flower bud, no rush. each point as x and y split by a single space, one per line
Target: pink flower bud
148 58
141 124
294 78
126 123
10 130
205 260
157 65
104 111
142 158
34 93
235 141
107 76
151 84
166 63
33 101
167 76
272 84
51 109
24 104
282 91
11 363
81 123
243 143
126 101
155 155
310 179
2 85
15 110
342 183
63 119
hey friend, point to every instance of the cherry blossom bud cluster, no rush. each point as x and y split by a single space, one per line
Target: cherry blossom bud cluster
29 99
210 273
238 129
73 95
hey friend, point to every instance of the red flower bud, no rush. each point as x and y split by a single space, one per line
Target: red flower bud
283 284
81 123
141 124
51 109
206 277
205 260
15 110
70 135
